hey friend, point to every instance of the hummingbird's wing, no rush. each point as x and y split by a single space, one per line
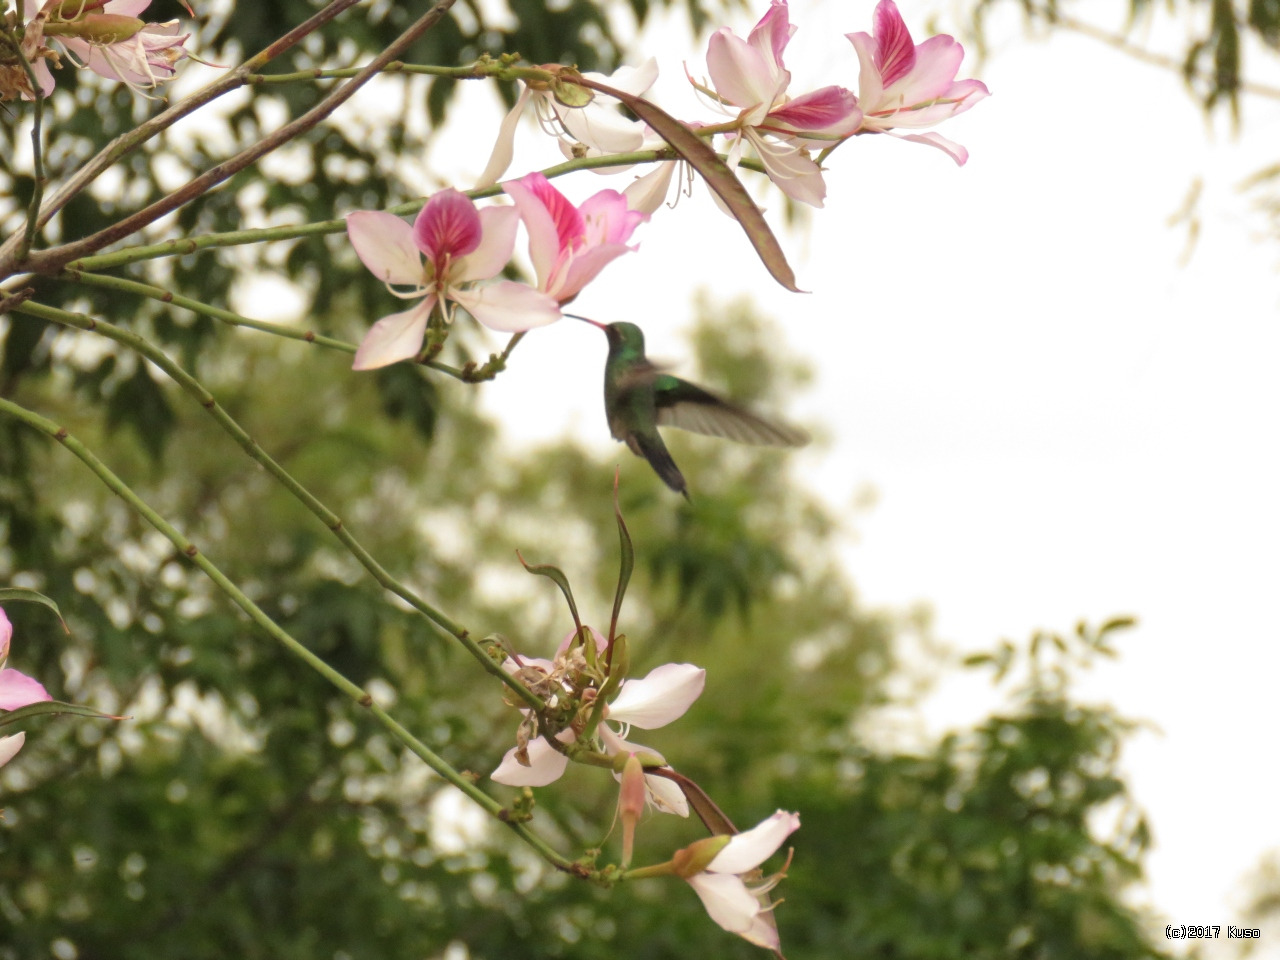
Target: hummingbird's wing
681 404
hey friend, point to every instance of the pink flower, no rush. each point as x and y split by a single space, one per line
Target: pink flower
729 885
654 701
109 39
461 247
16 690
904 84
750 74
570 245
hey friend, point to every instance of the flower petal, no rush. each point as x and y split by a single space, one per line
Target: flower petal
497 239
895 54
504 147
9 747
742 76
648 192
957 153
384 244
394 337
509 307
749 849
546 764
661 697
727 900
448 226
19 690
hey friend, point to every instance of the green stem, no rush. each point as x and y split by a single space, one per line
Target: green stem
182 247
125 285
274 630
326 516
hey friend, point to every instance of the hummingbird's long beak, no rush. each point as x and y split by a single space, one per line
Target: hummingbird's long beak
594 323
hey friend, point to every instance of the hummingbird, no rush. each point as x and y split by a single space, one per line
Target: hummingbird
639 397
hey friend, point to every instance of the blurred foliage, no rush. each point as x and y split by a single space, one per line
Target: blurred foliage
245 809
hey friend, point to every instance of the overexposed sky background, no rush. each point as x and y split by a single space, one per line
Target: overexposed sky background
1063 418
1064 414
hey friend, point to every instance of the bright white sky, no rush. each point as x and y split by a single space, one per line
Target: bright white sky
1060 417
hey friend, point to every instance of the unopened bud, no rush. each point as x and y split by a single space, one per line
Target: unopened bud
695 858
630 804
99 29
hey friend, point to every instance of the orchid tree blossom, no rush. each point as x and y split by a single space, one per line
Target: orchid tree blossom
597 126
108 38
461 247
659 698
730 886
902 84
16 690
750 75
569 245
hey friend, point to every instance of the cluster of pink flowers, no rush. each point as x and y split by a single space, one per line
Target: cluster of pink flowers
105 36
452 246
16 690
903 87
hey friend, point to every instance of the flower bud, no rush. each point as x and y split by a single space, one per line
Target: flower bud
694 859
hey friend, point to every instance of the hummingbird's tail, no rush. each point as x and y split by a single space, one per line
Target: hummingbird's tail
655 451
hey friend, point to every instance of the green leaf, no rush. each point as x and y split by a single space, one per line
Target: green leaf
627 563
556 575
716 172
52 708
31 596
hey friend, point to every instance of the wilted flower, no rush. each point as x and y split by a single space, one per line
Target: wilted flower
461 247
654 701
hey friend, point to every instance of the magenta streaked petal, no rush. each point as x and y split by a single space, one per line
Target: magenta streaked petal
565 216
937 61
829 110
504 146
546 764
544 240
770 35
870 87
491 255
19 690
508 306
394 337
385 244
448 226
742 76
956 152
895 54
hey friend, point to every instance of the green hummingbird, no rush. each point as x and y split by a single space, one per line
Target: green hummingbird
639 397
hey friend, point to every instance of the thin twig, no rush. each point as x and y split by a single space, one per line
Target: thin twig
278 633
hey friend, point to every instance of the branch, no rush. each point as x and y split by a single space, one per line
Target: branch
326 516
49 261
130 140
